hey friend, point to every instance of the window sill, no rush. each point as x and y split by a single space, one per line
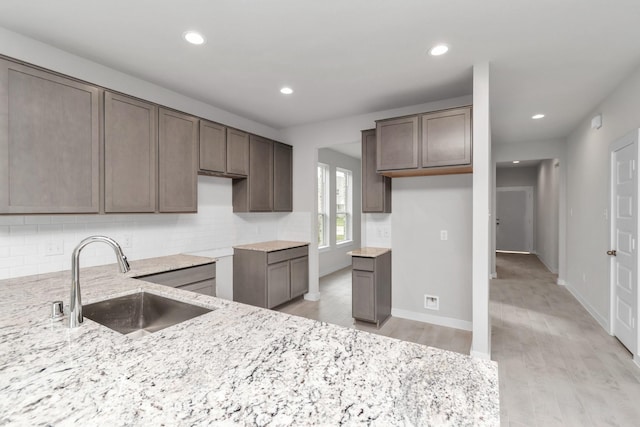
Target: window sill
345 243
324 249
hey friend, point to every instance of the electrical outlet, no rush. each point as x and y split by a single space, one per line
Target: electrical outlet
126 241
431 302
386 232
444 235
54 247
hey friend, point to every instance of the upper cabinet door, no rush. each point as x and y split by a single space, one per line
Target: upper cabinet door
237 152
178 162
282 177
130 154
213 147
446 138
397 141
49 142
261 174
376 188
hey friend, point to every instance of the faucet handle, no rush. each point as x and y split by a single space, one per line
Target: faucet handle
57 309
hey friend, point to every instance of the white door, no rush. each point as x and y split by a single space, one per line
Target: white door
514 219
624 217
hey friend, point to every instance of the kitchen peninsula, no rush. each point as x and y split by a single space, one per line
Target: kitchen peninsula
236 364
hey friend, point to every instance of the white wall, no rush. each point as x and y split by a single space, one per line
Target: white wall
423 263
547 213
335 256
308 139
517 177
588 196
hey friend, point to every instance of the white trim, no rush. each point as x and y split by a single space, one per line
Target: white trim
312 296
553 270
561 282
592 311
494 275
449 322
480 355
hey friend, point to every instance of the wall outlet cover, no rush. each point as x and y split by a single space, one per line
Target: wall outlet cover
431 302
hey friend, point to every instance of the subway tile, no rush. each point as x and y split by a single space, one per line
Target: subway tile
11 220
37 219
11 261
23 229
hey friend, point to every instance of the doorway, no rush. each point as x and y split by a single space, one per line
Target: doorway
514 219
623 236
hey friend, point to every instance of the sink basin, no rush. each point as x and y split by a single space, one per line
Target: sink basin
141 314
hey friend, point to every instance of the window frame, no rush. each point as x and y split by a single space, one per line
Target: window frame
323 211
348 212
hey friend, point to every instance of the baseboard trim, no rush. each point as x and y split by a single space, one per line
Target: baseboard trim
561 282
551 269
494 275
430 318
312 296
480 355
592 311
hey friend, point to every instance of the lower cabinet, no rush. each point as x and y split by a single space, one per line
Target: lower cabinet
371 288
200 279
270 278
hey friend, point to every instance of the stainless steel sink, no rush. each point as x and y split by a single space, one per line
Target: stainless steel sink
141 314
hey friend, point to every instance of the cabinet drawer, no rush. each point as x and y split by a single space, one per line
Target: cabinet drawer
277 256
361 263
184 276
206 287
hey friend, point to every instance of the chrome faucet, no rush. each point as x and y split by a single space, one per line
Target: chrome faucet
75 317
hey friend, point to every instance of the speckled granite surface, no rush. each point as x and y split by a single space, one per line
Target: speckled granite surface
369 252
235 365
274 245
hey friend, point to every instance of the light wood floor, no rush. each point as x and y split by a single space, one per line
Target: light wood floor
335 307
557 366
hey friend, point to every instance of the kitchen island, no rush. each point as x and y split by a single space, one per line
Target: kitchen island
237 364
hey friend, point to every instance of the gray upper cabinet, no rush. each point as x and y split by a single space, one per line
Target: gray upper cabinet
260 174
376 188
446 138
213 147
130 154
397 143
223 151
49 142
237 152
178 162
282 177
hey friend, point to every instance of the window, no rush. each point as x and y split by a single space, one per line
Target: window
323 205
343 205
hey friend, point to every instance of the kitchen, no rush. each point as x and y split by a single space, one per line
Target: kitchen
43 244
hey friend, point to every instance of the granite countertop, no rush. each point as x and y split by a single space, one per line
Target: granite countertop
274 245
369 252
237 364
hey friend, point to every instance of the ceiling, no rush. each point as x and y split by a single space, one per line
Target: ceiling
560 58
522 164
353 149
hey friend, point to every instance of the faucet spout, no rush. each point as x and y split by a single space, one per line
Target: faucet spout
75 306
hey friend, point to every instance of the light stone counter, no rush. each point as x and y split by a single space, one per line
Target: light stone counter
369 252
274 245
235 365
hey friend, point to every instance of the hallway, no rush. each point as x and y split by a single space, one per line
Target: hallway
557 366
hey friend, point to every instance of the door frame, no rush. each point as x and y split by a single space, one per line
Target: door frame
631 138
529 215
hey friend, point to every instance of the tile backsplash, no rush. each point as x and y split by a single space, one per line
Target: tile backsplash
44 243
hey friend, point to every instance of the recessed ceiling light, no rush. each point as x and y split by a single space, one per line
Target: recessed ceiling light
438 50
286 90
193 37
516 161
537 116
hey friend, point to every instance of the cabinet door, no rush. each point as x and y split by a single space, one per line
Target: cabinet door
260 174
130 154
278 285
376 188
397 142
237 152
213 147
363 295
299 276
178 165
49 142
282 177
446 138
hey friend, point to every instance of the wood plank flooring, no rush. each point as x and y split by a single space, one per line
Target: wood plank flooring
557 366
335 307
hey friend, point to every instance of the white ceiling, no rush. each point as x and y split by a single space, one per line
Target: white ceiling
559 57
353 149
